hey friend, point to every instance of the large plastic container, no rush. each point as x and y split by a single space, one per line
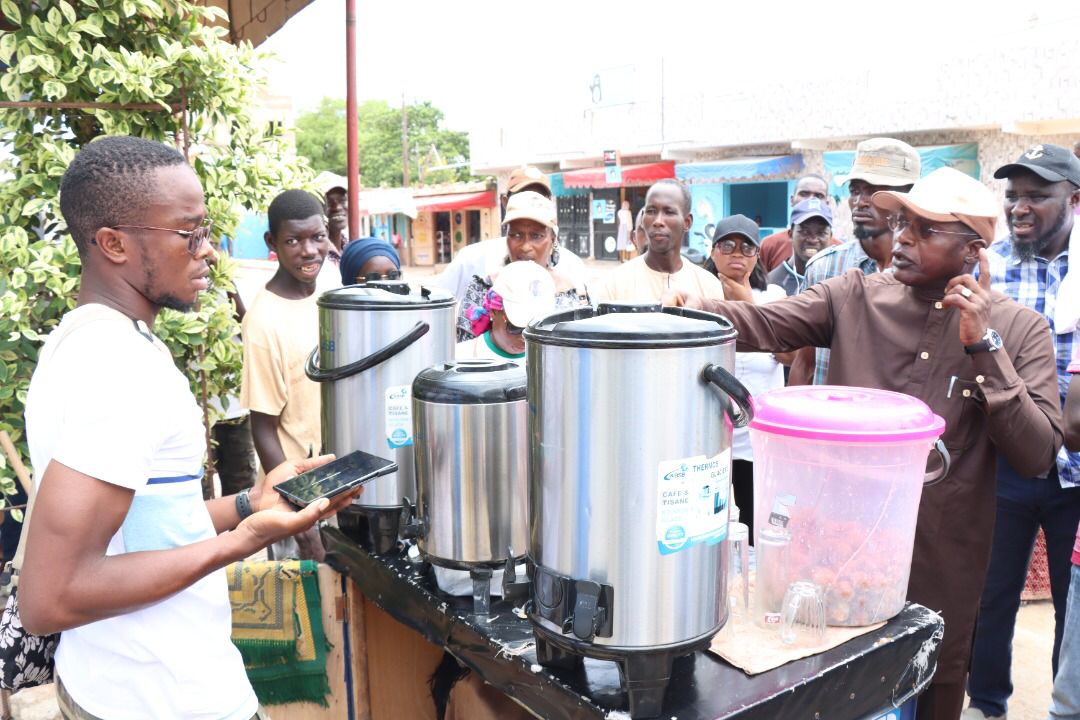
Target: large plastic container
840 471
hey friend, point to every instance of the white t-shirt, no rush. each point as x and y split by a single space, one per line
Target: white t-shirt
636 282
107 400
757 371
480 258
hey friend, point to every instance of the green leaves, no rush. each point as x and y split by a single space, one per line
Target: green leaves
11 11
153 49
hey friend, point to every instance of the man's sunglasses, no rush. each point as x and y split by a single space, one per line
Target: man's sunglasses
195 238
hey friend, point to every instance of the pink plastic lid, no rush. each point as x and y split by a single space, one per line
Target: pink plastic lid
848 414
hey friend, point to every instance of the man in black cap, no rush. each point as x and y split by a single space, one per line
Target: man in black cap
811 232
1029 265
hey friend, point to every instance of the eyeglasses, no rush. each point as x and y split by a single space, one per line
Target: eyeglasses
535 237
374 276
727 247
899 223
195 238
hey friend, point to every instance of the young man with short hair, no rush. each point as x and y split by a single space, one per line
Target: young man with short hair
666 219
124 557
280 330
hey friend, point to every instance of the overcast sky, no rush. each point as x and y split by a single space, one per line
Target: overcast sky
536 53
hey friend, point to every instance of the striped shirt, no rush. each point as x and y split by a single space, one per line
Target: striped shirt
1035 283
832 262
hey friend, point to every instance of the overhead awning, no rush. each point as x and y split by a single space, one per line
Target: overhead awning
387 201
631 175
963 157
256 20
456 201
721 171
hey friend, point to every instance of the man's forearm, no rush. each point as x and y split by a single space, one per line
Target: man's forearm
223 513
1022 402
267 444
1072 416
116 584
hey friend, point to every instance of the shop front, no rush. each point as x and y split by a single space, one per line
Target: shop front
757 187
449 218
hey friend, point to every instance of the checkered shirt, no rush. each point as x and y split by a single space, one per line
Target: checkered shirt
834 261
1034 284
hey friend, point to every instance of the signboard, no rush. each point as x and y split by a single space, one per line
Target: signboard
603 211
612 167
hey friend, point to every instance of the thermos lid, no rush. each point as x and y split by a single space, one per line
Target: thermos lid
385 295
613 325
846 414
471 382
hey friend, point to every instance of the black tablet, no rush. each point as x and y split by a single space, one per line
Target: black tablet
334 478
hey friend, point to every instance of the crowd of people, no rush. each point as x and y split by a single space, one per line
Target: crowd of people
927 298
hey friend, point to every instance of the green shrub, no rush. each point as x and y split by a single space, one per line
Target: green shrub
133 52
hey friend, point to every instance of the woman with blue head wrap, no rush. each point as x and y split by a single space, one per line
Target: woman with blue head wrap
366 256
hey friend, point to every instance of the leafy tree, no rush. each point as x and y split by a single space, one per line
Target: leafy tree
166 58
320 137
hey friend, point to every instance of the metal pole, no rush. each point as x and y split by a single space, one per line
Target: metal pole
352 130
405 234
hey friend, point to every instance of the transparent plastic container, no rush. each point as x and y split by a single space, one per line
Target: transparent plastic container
841 470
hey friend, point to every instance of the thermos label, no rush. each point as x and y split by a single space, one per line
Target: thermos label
398 417
692 501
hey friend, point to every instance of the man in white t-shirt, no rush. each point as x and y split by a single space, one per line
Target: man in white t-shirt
124 557
666 219
479 258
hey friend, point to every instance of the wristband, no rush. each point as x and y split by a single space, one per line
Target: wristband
243 504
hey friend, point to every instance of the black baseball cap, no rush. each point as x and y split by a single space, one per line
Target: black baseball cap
1052 163
736 225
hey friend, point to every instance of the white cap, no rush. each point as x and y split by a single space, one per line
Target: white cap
947 195
527 291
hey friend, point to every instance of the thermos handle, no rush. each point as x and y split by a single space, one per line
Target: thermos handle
314 372
735 390
946 463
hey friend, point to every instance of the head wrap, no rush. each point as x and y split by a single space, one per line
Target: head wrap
479 316
359 251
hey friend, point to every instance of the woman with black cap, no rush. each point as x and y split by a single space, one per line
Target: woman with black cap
734 261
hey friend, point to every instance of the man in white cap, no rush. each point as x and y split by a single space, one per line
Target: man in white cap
1031 265
334 189
336 198
979 360
521 292
474 260
880 164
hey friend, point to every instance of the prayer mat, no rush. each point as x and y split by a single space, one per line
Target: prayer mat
277 626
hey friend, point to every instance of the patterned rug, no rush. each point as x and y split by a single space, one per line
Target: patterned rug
277 626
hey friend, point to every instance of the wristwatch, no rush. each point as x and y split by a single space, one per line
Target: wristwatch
991 342
243 504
